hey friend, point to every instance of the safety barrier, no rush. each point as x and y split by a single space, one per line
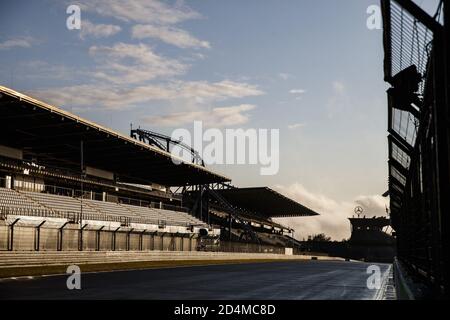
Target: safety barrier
70 237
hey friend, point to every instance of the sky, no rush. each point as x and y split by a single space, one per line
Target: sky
311 69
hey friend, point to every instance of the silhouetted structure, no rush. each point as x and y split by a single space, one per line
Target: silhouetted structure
369 241
417 66
370 231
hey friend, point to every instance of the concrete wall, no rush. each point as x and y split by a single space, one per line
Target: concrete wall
16 259
27 238
407 287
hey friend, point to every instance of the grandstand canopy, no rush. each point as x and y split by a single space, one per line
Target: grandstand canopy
266 202
51 136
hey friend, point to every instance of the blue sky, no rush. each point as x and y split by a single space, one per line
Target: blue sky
309 68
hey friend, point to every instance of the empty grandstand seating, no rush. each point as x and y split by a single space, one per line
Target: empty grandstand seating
26 200
14 200
167 215
59 203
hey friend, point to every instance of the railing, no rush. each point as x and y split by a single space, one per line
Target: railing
239 247
75 216
21 166
150 204
73 238
91 195
202 244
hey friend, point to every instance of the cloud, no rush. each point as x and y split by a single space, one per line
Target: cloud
168 34
152 19
117 97
285 76
217 117
333 219
127 75
204 92
88 29
339 100
21 42
38 69
102 96
339 87
128 63
141 11
296 126
297 91
198 56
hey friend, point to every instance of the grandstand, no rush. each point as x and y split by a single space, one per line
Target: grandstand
69 184
23 201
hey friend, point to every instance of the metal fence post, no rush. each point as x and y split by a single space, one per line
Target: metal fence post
153 240
114 239
128 239
97 240
80 237
37 238
190 242
162 241
172 242
11 235
141 237
59 244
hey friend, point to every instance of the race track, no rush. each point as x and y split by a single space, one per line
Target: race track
321 280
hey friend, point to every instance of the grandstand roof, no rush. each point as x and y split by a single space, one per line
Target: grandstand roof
53 137
266 202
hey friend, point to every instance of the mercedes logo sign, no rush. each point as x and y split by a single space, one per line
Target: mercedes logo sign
359 210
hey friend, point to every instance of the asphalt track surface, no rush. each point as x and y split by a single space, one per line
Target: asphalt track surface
311 280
